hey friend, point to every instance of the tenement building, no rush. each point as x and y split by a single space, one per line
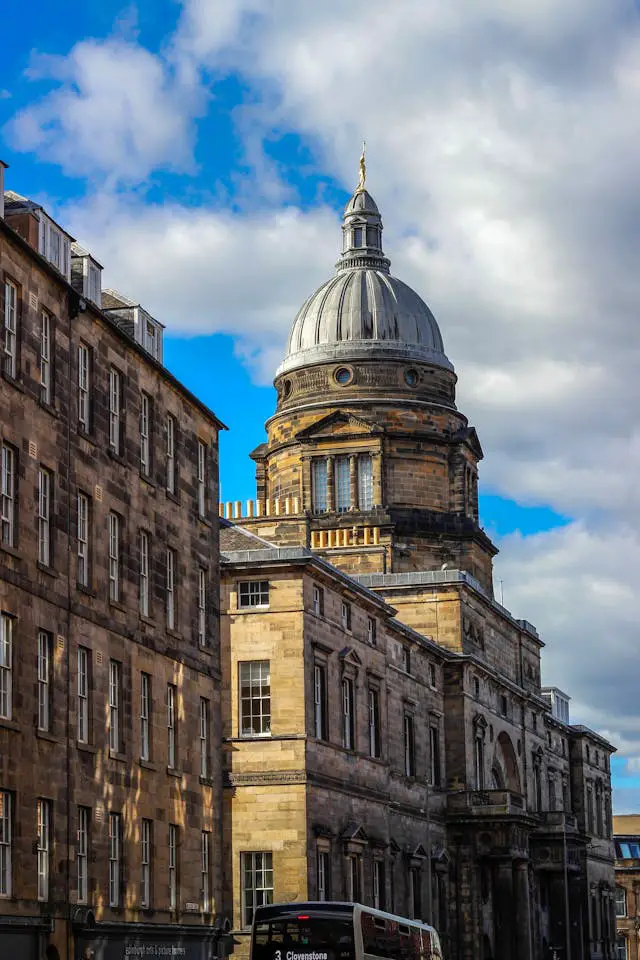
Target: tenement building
386 733
626 829
110 799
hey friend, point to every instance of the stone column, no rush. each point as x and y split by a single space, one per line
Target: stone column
503 912
523 910
331 500
353 478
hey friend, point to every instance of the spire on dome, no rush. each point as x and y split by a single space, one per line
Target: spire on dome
363 169
362 229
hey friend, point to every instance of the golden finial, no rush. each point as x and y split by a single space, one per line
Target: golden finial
363 169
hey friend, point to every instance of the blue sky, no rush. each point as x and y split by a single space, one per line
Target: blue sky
204 152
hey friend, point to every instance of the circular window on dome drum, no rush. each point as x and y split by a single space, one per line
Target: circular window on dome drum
343 376
411 378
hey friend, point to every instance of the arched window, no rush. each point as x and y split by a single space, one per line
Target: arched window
621 902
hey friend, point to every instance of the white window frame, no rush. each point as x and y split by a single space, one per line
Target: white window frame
6 848
94 284
409 732
44 516
170 437
146 849
202 479
45 359
115 842
83 695
173 866
171 725
320 700
114 557
365 482
43 847
82 854
375 733
319 486
6 666
204 737
144 573
377 883
253 593
44 680
478 760
621 901
202 606
318 600
170 562
254 676
114 410
372 631
205 872
145 716
435 760
342 484
348 725
8 492
323 868
256 873
345 616
115 681
11 328
145 433
82 571
84 386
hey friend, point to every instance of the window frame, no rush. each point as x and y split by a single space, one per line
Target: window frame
8 492
372 631
83 533
170 454
320 704
115 410
409 738
202 607
43 847
115 701
83 691
205 871
346 616
375 732
145 434
435 758
84 386
378 884
146 862
323 874
204 738
619 900
172 865
143 574
347 690
262 718
146 706
201 477
44 658
172 726
6 844
319 485
114 556
46 361
170 584
82 854
259 894
253 592
10 326
45 488
365 481
318 600
115 859
6 666
342 484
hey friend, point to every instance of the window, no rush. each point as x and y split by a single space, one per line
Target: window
114 557
319 486
476 688
152 340
202 479
257 883
144 573
205 871
82 569
374 723
8 492
171 725
170 597
145 431
354 878
145 864
318 601
379 898
6 666
253 593
621 902
83 695
145 716
502 705
406 659
365 483
433 676
204 737
114 410
173 866
478 759
202 607
324 875
44 680
621 948
170 434
82 853
320 701
94 284
84 385
45 359
416 892
43 848
552 791
10 328
409 746
342 484
115 680
5 843
534 722
348 719
537 782
345 615
371 631
434 756
115 827
255 698
44 517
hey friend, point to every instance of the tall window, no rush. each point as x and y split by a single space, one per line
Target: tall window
8 493
114 557
145 431
354 878
416 892
621 948
342 484
202 607
409 746
5 844
406 659
318 601
44 517
83 695
345 615
204 737
257 883
82 570
145 716
10 328
478 759
170 591
434 755
202 479
84 386
170 438
319 486
537 783
324 875
552 791
45 359
320 701
255 698
171 725
82 854
145 864
621 902
205 871
253 593
43 848
144 573
115 828
365 482
115 680
114 410
374 722
173 866
379 885
44 680
6 666
371 631
348 719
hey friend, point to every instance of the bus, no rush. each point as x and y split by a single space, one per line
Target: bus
330 930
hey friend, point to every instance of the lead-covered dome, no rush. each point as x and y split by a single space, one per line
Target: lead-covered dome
363 312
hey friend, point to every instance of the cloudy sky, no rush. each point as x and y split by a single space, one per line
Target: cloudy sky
204 150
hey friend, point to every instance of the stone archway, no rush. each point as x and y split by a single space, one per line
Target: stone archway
505 764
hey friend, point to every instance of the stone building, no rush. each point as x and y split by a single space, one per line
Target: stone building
110 801
369 470
626 830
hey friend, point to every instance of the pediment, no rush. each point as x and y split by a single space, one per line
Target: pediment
354 832
419 853
339 424
349 655
469 436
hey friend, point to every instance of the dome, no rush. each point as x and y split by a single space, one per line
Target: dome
363 312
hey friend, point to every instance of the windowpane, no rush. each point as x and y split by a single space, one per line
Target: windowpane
43 848
82 854
170 589
342 484
145 716
319 485
320 701
348 720
82 573
5 844
324 875
145 430
170 454
255 698
144 573
114 410
202 607
257 883
83 386
318 601
114 859
409 746
114 557
145 863
204 737
83 695
45 358
6 666
365 483
621 902
205 872
173 866
171 725
253 593
114 705
10 328
8 492
44 678
202 479
374 723
44 517
434 743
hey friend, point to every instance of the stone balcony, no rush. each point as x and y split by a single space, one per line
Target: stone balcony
486 803
557 821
